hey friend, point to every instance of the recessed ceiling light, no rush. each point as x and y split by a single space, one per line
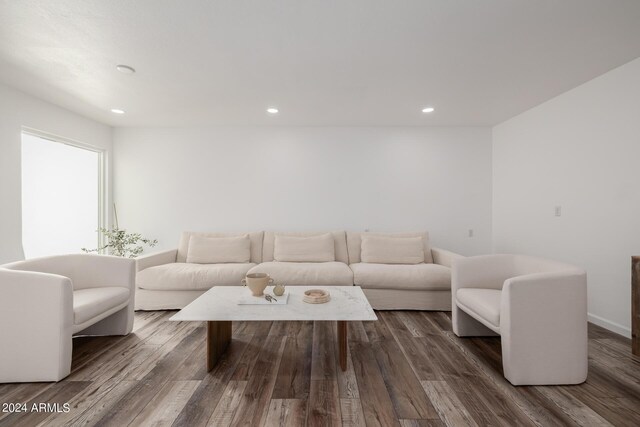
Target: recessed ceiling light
117 111
125 69
428 110
272 110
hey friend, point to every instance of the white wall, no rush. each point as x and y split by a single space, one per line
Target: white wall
17 110
580 150
297 178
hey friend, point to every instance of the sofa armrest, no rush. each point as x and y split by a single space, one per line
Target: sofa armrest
444 257
158 258
36 311
543 317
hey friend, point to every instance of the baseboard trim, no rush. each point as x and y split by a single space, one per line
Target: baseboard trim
612 326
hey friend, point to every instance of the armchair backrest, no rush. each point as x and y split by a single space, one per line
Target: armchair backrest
62 265
524 264
84 270
491 271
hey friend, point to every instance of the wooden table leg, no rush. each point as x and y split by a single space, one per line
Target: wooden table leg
218 339
342 344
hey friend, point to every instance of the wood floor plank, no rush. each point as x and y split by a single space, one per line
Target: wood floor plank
103 405
166 405
347 382
325 350
578 411
357 332
254 403
405 390
352 414
440 318
377 331
621 346
252 352
279 329
486 403
294 378
420 355
411 322
452 412
602 394
286 413
256 328
324 404
422 423
228 404
121 362
194 330
376 403
193 367
203 401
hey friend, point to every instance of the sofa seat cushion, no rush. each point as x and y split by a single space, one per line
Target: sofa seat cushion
428 277
91 302
182 276
307 273
481 303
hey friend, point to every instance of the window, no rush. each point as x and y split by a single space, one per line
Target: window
62 191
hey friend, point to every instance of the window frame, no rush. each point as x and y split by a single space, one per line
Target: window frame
102 193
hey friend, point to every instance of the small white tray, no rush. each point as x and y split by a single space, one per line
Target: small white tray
251 300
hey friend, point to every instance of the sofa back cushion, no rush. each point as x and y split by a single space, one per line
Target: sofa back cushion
218 250
354 242
255 238
320 248
392 250
339 244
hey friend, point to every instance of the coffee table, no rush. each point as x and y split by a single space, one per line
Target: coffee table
219 308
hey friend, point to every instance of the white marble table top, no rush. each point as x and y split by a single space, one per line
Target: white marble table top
221 303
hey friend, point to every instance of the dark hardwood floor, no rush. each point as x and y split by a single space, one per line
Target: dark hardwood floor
407 369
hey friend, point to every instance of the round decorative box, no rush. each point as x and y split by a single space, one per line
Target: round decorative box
316 296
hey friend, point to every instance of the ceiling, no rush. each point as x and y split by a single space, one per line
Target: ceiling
324 62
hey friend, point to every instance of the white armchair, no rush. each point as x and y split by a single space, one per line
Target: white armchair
45 301
537 306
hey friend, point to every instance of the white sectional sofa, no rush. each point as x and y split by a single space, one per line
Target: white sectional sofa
418 279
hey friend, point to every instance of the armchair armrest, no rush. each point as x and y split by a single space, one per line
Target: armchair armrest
36 311
158 258
444 257
543 319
